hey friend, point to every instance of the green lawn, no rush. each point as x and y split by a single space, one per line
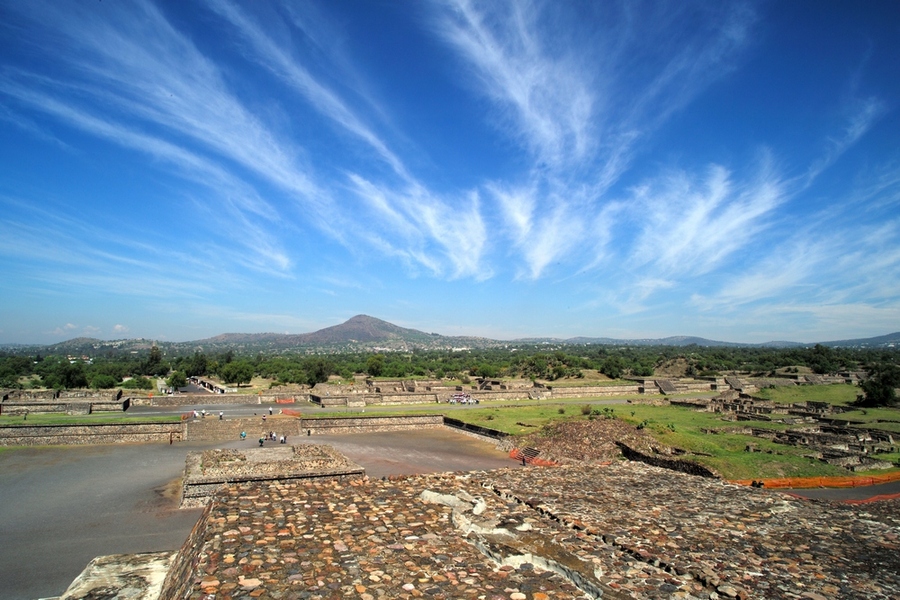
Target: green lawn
62 419
683 428
841 394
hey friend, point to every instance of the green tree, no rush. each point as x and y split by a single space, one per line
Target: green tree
102 381
375 365
318 370
176 380
137 383
879 388
612 367
196 365
237 371
154 362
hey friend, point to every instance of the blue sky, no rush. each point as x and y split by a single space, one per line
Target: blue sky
176 170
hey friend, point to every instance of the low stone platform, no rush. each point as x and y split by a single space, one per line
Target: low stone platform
207 472
624 530
121 577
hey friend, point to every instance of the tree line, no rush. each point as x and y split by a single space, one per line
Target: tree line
537 362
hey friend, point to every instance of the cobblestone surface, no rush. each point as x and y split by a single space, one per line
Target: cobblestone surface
625 530
578 441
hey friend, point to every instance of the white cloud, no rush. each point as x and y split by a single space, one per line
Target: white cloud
424 223
578 106
687 226
523 71
118 328
846 280
276 56
66 329
862 117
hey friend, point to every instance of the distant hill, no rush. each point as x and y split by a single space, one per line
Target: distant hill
361 332
882 341
365 333
677 340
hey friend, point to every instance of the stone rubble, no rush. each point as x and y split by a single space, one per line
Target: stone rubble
623 530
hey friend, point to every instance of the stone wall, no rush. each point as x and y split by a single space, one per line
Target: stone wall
190 399
696 386
25 396
594 390
268 399
16 408
211 429
100 433
68 407
32 395
180 578
366 424
682 466
477 430
519 394
206 472
410 398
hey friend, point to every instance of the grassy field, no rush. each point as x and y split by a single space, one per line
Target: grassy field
833 394
62 419
687 429
678 427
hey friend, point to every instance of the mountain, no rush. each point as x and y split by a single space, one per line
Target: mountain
891 340
364 333
359 333
365 329
677 340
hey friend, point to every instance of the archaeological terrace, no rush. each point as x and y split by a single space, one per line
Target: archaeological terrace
620 530
301 522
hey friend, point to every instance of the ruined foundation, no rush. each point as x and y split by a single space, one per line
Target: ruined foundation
207 472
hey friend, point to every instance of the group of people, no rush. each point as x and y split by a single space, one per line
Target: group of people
270 436
202 414
462 398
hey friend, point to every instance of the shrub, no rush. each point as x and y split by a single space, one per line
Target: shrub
586 409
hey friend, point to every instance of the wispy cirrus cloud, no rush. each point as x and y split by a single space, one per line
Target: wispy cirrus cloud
276 56
424 229
550 105
825 267
579 104
142 85
545 238
64 252
863 114
689 226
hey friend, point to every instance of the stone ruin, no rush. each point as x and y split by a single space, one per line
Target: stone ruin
207 472
828 437
71 402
